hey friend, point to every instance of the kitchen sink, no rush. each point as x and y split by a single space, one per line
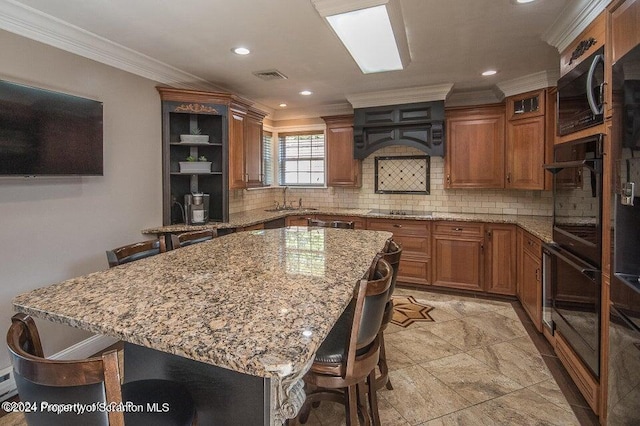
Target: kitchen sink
283 209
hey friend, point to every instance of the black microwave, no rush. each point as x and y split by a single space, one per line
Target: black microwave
581 95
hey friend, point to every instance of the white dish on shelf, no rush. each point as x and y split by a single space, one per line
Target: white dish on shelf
198 139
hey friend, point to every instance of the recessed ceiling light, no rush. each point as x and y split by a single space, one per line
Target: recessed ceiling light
523 1
282 105
241 51
306 92
489 72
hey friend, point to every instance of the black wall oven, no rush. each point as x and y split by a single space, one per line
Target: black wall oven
575 255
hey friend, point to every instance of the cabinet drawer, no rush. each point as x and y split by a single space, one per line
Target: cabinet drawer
532 244
467 229
297 220
413 245
400 227
358 222
415 271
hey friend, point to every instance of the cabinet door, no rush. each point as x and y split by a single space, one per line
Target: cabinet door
500 259
253 152
475 148
457 262
531 292
342 169
236 151
298 220
525 153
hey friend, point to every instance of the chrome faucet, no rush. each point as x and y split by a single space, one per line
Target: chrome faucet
284 197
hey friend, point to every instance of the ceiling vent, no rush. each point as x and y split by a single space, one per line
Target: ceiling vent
268 75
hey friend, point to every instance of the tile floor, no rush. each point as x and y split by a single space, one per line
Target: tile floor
481 362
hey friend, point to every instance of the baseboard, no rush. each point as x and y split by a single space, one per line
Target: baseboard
80 350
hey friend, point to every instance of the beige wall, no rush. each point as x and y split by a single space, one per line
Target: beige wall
54 229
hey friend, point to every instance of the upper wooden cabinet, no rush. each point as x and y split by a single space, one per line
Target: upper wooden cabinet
475 147
488 148
253 149
342 169
245 148
590 40
525 142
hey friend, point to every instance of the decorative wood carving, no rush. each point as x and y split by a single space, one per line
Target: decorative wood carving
582 47
196 108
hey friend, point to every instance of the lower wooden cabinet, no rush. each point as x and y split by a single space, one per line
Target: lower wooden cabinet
530 276
500 259
457 262
297 220
358 222
414 237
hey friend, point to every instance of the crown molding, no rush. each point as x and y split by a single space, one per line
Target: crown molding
530 82
474 97
573 19
31 23
312 112
400 96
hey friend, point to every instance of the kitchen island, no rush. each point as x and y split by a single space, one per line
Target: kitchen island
238 319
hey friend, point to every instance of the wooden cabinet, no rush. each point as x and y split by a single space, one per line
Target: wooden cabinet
458 255
186 112
414 237
488 148
298 220
236 150
253 149
358 222
475 147
342 169
530 276
500 259
245 148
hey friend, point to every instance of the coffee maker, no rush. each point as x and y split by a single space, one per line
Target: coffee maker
196 206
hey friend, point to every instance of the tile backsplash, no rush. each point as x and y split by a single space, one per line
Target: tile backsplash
492 201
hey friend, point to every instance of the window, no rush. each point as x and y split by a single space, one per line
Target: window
267 158
302 159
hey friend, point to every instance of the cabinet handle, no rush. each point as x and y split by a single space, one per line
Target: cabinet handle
246 177
482 246
395 225
537 274
456 229
509 177
579 177
489 234
448 179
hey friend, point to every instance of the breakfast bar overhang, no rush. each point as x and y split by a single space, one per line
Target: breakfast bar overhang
238 319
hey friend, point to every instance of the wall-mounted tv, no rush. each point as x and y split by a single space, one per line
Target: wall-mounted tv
45 133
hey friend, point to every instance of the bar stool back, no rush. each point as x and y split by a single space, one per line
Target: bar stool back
135 251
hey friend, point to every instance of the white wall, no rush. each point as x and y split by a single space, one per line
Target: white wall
55 229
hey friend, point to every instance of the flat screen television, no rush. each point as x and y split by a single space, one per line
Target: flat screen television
45 133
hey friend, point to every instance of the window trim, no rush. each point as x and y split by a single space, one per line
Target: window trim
280 167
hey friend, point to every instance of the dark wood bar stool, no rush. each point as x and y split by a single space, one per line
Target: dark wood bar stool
136 251
86 382
344 367
194 237
341 224
392 253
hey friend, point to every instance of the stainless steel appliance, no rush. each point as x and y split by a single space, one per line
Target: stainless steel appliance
196 207
573 262
581 95
624 325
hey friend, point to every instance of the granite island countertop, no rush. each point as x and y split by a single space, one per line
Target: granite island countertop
257 302
539 226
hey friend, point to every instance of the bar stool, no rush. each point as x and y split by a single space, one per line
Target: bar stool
330 224
392 253
194 237
86 383
136 251
344 367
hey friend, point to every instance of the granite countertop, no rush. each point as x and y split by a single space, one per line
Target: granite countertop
539 226
257 302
